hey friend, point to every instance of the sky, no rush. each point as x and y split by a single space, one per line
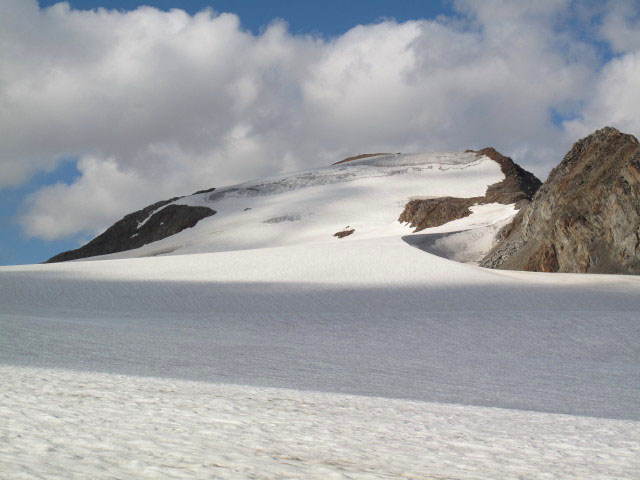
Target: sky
110 105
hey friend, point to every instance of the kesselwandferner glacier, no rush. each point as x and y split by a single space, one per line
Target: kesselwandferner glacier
293 327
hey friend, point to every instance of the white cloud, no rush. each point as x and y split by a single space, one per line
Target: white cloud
615 97
157 104
621 25
103 191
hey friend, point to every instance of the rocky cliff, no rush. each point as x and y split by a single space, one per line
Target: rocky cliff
586 216
150 224
517 187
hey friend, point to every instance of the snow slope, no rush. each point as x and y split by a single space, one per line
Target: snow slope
308 207
381 319
267 297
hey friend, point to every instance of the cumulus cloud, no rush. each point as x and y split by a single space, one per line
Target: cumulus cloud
615 101
104 191
156 104
621 25
615 97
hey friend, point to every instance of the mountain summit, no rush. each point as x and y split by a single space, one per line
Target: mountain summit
355 200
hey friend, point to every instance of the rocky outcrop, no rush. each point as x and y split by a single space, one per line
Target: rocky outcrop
517 187
344 233
586 216
433 212
359 157
518 184
150 224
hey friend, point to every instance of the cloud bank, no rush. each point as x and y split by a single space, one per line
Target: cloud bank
155 104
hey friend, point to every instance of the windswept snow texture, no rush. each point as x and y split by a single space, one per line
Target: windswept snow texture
372 318
134 428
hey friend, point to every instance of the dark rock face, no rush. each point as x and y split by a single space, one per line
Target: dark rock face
125 234
586 216
344 233
433 212
518 187
358 157
208 190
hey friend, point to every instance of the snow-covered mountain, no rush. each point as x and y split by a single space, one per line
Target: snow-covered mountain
362 198
319 356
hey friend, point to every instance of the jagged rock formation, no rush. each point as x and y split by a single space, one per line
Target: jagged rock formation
518 184
517 187
586 216
139 228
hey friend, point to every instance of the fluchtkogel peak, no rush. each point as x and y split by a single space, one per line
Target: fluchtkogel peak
362 195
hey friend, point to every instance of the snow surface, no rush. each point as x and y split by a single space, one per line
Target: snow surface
253 302
371 318
59 424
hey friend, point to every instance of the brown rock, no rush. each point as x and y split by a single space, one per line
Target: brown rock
518 187
518 184
586 216
344 233
433 212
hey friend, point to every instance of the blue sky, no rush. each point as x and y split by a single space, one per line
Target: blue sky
104 112
329 17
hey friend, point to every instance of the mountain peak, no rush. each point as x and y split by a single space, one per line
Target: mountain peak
367 192
585 217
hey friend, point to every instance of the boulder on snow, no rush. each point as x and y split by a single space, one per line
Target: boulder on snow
344 233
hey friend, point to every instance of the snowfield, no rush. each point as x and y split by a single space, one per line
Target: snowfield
257 345
68 425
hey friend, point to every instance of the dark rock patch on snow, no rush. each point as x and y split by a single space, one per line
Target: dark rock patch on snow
138 229
208 190
586 216
360 157
433 212
344 233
